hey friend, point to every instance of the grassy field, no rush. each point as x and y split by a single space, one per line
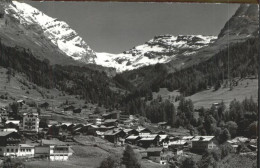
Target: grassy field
245 88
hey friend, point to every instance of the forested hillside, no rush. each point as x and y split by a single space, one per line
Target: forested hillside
238 61
91 85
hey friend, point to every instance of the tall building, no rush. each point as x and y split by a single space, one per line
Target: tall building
30 122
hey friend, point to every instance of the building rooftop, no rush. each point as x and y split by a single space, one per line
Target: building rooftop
132 137
202 138
110 120
52 142
187 137
178 142
13 121
4 133
112 132
155 149
26 146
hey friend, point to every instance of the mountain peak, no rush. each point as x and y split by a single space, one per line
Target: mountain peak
58 32
243 22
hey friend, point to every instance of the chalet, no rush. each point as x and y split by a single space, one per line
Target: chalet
150 140
155 151
111 122
77 110
115 136
12 124
92 129
132 139
202 143
9 143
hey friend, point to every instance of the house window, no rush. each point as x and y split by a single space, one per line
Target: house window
16 150
7 150
12 150
0 149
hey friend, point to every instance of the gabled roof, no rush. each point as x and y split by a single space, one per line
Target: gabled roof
202 138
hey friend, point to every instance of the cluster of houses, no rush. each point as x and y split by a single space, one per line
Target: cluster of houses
116 128
14 135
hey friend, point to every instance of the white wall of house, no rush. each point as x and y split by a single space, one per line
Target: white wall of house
59 155
26 152
9 150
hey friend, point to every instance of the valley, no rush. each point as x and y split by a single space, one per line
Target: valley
173 101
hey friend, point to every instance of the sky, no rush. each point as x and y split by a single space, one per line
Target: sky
115 27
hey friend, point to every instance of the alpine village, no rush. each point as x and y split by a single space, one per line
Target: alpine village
63 108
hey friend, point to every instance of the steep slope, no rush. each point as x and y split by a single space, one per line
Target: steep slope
239 28
160 49
22 25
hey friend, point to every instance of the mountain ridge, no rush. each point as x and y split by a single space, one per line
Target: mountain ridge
160 49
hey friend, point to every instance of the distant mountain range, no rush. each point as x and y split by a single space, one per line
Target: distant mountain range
48 38
160 49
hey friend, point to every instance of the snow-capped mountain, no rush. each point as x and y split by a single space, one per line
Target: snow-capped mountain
160 49
58 32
